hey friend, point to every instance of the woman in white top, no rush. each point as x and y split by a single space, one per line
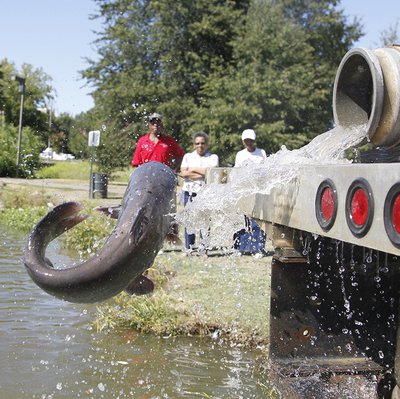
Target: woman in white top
193 170
251 154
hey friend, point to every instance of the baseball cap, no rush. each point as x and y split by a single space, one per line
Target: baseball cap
249 134
155 115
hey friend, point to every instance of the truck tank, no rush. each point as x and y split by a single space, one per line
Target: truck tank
335 273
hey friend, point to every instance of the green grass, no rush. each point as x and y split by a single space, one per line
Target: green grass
224 296
78 170
123 175
89 235
22 219
21 209
23 198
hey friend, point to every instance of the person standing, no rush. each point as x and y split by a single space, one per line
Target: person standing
157 146
193 170
250 154
250 239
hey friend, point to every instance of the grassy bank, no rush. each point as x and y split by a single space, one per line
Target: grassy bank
222 295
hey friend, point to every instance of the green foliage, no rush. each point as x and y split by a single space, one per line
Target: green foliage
8 149
23 198
61 127
218 66
155 56
89 235
30 148
35 129
79 132
279 82
22 219
144 313
38 92
21 209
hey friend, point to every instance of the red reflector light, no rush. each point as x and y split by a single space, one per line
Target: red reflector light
327 204
391 214
396 214
359 207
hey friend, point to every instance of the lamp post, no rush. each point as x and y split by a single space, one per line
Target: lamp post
21 90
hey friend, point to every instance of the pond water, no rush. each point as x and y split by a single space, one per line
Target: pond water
49 350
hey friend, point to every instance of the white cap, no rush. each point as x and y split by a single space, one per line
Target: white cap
249 134
155 115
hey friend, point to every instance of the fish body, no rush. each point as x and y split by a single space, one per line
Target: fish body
144 220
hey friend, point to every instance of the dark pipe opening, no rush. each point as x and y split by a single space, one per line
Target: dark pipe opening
354 92
358 91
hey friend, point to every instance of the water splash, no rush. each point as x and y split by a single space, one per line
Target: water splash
216 210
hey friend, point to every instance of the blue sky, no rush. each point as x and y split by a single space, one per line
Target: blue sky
57 35
54 35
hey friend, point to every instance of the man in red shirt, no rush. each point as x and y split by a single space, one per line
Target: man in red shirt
156 146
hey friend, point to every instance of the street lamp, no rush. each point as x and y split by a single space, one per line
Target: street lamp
21 89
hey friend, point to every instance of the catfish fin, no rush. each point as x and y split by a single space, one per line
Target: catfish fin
140 286
112 211
139 222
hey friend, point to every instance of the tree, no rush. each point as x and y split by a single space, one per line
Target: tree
78 134
155 55
280 81
218 66
34 127
30 149
38 92
391 35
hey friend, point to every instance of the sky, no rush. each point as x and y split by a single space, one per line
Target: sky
57 36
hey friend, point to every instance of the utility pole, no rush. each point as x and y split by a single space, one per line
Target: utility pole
21 90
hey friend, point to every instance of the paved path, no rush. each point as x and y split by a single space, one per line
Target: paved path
70 189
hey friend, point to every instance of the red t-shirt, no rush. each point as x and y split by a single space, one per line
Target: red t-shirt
165 149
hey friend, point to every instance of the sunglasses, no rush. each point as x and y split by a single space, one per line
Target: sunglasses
155 121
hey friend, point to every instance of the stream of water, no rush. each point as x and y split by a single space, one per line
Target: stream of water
215 209
49 349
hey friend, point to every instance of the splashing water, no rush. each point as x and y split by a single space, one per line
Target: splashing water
215 209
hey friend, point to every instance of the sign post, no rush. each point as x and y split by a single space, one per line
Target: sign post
94 141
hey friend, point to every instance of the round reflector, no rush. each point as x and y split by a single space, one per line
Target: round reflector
359 207
391 214
326 204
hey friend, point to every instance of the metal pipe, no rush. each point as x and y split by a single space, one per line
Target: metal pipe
366 93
